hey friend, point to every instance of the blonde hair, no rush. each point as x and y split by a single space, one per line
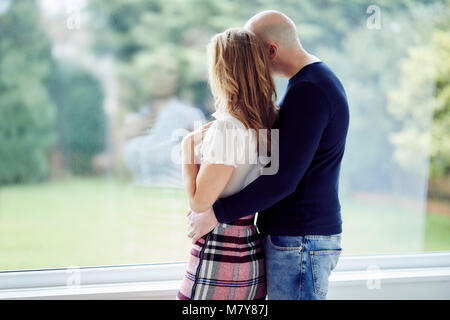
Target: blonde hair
240 79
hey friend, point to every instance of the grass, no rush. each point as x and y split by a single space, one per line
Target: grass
90 222
96 221
437 235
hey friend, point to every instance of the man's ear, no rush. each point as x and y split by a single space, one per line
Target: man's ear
273 50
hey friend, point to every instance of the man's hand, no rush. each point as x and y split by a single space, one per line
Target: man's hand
200 224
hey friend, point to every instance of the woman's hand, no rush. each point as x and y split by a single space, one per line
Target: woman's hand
191 140
197 135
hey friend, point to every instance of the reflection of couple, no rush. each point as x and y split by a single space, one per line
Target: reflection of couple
299 211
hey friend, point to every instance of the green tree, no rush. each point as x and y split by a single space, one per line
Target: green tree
26 111
421 104
81 122
153 37
155 40
372 79
440 145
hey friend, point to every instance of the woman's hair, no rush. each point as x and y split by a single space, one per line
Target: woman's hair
240 79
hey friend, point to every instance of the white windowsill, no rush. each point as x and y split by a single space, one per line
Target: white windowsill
411 276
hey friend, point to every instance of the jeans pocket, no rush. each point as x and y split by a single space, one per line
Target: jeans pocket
285 242
322 263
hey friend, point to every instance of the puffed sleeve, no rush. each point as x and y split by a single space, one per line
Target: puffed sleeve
227 142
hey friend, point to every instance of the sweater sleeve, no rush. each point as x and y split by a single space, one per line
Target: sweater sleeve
304 116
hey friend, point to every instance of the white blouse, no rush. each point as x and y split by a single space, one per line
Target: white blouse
228 142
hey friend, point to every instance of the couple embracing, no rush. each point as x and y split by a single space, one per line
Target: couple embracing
296 242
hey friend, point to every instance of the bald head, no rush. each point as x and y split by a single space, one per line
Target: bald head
274 26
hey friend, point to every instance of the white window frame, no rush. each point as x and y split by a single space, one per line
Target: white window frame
402 276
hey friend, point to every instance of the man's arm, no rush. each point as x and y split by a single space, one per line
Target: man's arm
305 116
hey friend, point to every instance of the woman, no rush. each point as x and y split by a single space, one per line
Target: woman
228 263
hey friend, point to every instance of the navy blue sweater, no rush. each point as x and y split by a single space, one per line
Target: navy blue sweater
302 197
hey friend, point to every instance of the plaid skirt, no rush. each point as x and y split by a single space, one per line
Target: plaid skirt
226 264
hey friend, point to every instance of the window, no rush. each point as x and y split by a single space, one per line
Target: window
94 93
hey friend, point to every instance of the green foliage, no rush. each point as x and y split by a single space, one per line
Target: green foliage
161 44
81 121
421 104
422 93
396 95
155 37
161 48
26 111
440 146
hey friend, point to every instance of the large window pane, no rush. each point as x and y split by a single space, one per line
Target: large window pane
96 95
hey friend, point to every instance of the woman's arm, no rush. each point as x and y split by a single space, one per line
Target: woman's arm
189 167
211 181
203 184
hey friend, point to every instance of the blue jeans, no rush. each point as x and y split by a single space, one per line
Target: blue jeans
298 267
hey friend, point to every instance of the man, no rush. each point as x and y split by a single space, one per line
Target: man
299 210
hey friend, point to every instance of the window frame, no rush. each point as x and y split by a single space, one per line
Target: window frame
401 276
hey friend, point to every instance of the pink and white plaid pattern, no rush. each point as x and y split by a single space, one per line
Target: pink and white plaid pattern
226 264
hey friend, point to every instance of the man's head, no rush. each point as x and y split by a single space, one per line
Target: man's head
279 34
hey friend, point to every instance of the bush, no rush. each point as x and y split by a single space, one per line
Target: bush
26 111
81 121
